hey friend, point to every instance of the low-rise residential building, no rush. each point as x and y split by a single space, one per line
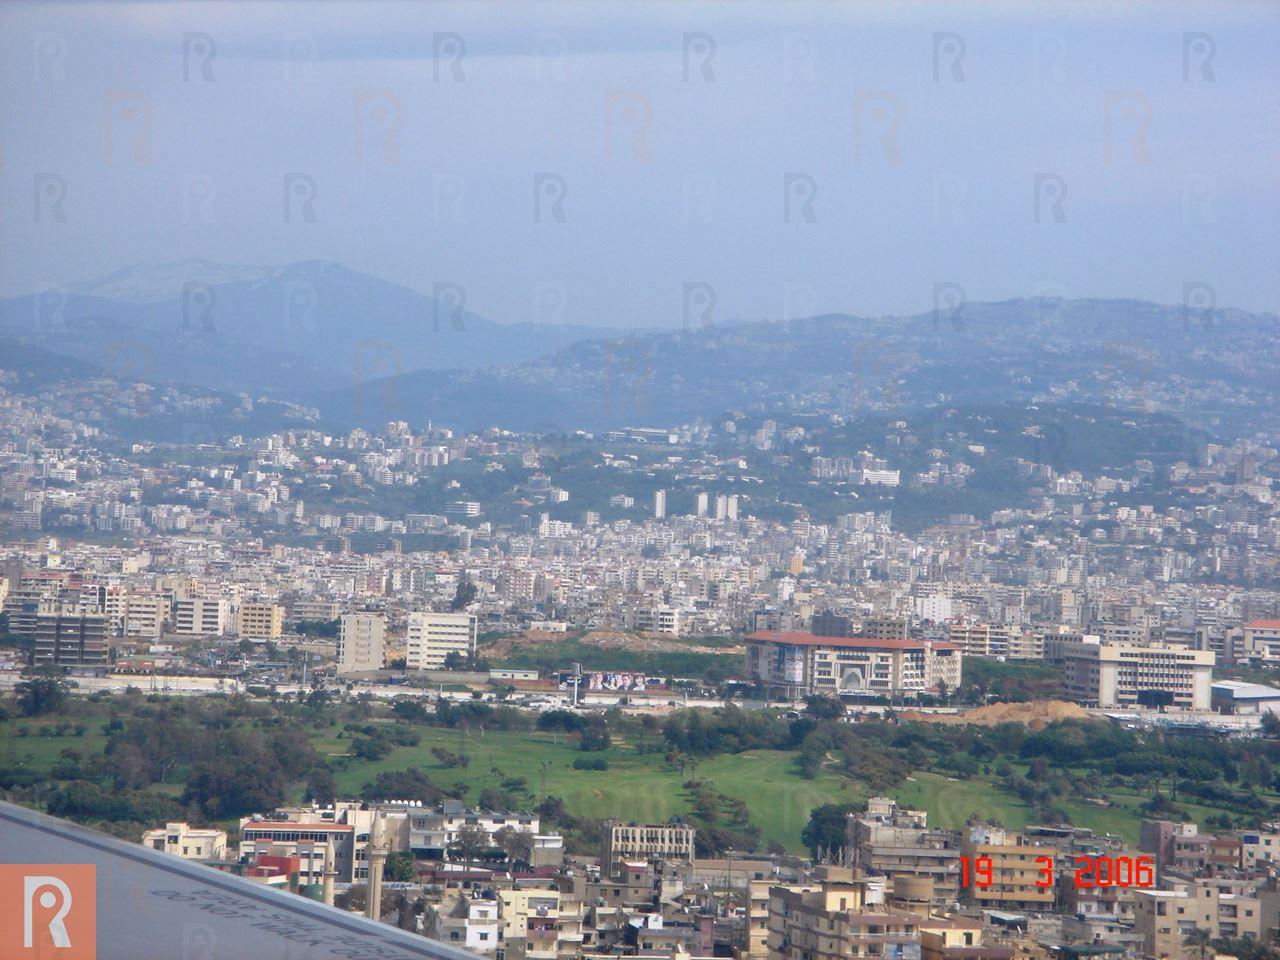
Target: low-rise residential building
432 832
191 843
539 923
467 920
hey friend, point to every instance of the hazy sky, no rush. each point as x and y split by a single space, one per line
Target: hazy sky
599 162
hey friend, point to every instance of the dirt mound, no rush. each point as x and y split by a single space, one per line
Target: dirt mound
1036 714
503 646
605 640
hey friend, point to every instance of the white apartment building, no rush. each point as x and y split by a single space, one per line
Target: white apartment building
431 637
362 641
201 617
432 831
467 921
664 620
1129 675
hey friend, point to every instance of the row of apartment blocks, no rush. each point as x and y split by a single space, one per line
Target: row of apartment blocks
74 636
174 605
73 623
429 640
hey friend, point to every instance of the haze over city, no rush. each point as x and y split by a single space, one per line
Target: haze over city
666 481
801 159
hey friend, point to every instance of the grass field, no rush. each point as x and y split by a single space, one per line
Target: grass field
641 786
950 802
636 786
39 752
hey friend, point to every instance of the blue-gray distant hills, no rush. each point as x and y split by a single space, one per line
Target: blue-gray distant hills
364 351
1208 366
277 331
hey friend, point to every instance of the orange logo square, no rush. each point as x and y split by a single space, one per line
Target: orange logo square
48 911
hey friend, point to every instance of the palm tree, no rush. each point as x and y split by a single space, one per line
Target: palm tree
1247 947
1198 938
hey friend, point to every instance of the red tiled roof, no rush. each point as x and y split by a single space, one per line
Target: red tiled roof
1263 625
863 643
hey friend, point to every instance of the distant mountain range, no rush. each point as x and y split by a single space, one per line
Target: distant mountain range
365 351
1205 367
276 331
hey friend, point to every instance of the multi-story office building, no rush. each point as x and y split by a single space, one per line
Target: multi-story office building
188 842
1126 675
431 637
259 621
645 842
71 637
361 642
800 664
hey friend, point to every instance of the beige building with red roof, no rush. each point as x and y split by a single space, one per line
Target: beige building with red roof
1262 641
